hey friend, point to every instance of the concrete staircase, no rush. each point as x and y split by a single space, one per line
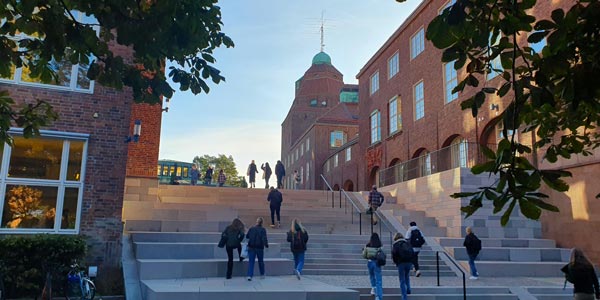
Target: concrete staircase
174 237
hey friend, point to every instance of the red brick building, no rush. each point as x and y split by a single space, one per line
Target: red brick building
322 119
411 125
76 169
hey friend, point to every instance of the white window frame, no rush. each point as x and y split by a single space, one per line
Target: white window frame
307 144
394 115
336 160
394 65
61 184
307 171
301 149
450 82
18 73
349 154
374 83
419 100
332 140
496 63
375 126
446 5
417 43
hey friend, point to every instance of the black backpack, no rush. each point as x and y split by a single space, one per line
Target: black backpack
416 238
297 242
380 258
476 244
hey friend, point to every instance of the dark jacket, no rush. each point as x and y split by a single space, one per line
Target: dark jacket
252 171
275 197
267 170
584 279
399 255
234 237
209 173
303 237
257 237
279 170
470 243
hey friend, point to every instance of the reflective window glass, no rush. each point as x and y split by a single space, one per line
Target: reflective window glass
69 212
35 158
29 206
75 160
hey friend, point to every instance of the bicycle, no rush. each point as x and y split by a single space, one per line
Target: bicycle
79 285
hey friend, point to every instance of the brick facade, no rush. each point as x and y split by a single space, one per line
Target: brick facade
106 156
444 122
143 155
316 111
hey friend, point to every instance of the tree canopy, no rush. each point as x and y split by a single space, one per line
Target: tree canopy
38 34
553 93
219 162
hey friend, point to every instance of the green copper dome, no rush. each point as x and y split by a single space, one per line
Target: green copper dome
321 58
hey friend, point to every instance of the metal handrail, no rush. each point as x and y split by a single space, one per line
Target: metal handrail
349 199
381 220
437 262
332 192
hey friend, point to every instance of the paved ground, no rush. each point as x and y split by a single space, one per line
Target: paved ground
392 281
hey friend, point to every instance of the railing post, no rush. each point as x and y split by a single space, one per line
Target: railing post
437 266
340 198
359 223
371 221
332 199
464 287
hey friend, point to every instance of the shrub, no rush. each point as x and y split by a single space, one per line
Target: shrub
25 260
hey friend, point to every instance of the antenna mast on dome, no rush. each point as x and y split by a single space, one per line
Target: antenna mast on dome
322 31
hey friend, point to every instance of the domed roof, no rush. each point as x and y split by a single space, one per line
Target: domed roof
321 58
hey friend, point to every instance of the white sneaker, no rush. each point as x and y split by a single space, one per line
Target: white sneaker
418 273
372 291
473 277
249 278
298 275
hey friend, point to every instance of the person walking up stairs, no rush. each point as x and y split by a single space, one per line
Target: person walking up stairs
416 239
275 199
298 237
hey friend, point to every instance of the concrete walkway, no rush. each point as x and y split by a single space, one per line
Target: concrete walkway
280 287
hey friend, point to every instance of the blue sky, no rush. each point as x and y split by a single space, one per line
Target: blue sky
274 45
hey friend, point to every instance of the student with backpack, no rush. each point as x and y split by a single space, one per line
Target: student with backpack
403 255
416 239
375 201
232 238
298 237
370 253
473 245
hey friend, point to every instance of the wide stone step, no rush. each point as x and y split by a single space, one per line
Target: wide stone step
516 269
504 232
500 242
198 268
446 296
364 271
359 265
146 236
195 226
439 290
515 254
270 288
153 250
551 293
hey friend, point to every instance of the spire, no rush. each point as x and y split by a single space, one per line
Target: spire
322 31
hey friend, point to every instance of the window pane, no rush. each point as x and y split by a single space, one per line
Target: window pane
83 82
75 160
165 171
62 69
35 158
29 206
69 213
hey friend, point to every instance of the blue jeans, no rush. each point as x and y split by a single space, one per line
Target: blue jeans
375 277
298 261
404 276
472 265
252 254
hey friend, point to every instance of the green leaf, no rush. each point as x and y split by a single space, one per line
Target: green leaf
507 213
529 210
484 167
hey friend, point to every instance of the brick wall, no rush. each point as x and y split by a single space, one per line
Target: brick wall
142 160
106 157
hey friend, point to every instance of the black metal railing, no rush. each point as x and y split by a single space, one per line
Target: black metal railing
329 189
354 207
437 264
460 155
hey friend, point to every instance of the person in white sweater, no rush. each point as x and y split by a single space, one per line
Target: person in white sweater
416 239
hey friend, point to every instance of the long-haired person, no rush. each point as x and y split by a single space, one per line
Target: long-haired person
580 272
234 235
370 253
298 237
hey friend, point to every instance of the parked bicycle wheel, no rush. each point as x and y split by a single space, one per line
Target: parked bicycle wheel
88 288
